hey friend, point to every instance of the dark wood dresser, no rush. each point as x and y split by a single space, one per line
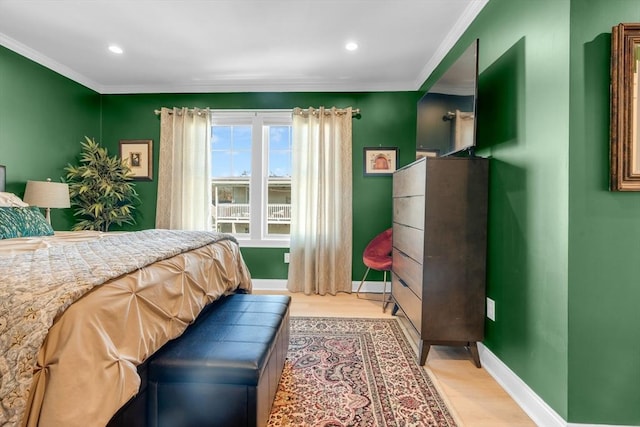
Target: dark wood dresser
439 250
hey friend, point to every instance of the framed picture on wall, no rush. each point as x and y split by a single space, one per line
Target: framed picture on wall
138 155
380 161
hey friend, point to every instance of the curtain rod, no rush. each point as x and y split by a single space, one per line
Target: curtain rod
236 110
354 112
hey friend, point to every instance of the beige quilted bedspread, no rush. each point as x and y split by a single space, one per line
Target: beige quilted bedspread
79 311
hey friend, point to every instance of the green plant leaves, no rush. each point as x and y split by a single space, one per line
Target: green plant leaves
100 188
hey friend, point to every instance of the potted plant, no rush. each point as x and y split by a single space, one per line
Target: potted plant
100 189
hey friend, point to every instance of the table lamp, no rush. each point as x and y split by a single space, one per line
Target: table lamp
47 195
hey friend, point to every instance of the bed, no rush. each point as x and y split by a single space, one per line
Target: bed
80 311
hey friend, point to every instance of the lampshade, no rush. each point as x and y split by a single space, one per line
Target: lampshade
47 195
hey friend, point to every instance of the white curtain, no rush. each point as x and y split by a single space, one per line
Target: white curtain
321 242
184 188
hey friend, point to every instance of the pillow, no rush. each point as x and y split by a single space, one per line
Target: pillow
23 222
10 199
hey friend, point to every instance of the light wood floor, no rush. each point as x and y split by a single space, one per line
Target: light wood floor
473 396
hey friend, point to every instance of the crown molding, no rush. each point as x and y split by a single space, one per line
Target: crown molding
47 62
450 40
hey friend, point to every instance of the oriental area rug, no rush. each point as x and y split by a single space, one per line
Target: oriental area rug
354 372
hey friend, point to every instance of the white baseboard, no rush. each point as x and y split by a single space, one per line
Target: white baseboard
536 408
371 287
269 284
280 285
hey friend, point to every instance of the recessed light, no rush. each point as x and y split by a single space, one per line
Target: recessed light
115 49
351 46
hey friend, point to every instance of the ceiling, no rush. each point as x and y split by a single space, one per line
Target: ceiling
173 46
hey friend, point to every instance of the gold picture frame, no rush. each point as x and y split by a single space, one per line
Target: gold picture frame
138 155
624 138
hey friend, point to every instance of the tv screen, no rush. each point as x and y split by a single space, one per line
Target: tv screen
446 113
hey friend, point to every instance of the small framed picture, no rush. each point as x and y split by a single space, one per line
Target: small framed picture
138 155
380 160
420 153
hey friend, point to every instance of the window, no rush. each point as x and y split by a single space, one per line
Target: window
251 175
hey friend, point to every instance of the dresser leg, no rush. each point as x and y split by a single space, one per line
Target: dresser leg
473 349
423 351
395 309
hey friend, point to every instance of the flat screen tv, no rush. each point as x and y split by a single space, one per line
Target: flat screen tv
446 113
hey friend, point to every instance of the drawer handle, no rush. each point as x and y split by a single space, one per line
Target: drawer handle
399 252
402 282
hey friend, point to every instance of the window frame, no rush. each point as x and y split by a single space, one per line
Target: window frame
258 228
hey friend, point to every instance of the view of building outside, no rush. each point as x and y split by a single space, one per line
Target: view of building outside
231 153
279 180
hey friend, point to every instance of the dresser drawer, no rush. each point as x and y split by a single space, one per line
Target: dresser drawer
410 180
409 211
409 240
408 302
409 270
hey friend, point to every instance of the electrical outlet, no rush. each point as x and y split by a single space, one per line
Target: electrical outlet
491 309
286 257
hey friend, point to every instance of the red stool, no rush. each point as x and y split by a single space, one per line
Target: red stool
377 256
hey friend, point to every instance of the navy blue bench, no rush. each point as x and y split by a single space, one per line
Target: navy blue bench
224 370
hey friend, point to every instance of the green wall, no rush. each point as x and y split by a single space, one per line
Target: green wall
43 118
523 126
386 119
604 243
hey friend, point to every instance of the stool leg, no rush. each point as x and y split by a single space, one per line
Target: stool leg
384 291
361 282
384 304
